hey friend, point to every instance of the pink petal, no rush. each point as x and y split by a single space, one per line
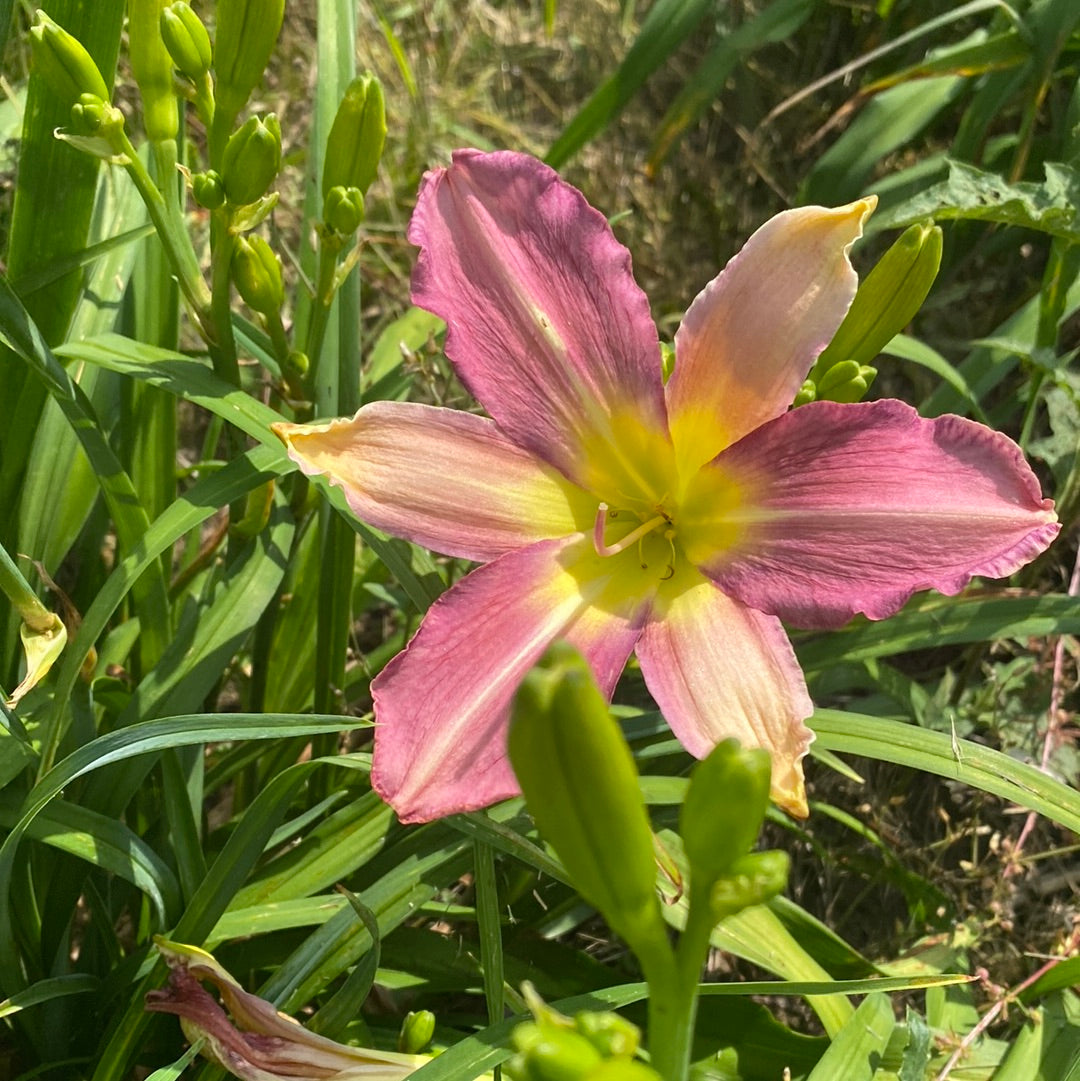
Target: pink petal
545 324
750 337
444 479
855 507
719 669
442 706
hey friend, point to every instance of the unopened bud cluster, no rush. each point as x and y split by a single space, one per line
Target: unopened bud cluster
589 1047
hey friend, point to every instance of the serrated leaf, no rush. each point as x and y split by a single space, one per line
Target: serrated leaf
976 195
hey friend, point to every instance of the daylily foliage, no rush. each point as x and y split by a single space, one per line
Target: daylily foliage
680 520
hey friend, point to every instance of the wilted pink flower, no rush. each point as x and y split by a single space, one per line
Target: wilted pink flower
683 520
263 1044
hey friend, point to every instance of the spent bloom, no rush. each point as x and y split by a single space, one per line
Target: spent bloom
263 1044
681 520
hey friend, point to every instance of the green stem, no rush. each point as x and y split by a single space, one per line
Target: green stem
223 242
23 599
329 251
174 237
276 329
673 1001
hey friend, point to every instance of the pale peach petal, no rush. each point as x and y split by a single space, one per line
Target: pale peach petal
750 337
441 478
718 669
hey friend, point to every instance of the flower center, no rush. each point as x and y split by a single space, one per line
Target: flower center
659 525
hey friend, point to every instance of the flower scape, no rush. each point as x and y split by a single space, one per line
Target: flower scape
682 520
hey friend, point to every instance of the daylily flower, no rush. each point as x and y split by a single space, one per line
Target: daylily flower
683 520
263 1045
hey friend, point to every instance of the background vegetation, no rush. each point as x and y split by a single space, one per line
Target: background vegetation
196 762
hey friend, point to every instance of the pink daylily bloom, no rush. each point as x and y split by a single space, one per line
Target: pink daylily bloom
682 520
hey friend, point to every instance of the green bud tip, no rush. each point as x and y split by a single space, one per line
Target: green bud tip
257 274
208 189
416 1031
357 135
186 39
610 1034
724 808
63 61
343 209
251 160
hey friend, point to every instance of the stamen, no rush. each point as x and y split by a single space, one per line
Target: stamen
669 536
603 549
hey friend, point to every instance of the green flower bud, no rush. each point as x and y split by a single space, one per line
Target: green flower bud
416 1031
356 138
87 114
847 381
561 1056
526 1035
752 880
610 1034
838 374
252 159
343 209
208 189
257 273
297 363
64 63
807 393
618 1069
724 807
887 300
247 31
186 39
578 777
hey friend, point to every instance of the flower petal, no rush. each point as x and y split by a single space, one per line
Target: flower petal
444 479
545 323
749 338
718 669
442 706
855 507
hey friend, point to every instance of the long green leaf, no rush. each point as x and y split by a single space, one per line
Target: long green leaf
947 756
945 621
856 1050
779 20
194 381
667 25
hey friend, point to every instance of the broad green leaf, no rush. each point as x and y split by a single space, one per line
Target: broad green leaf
976 195
54 200
120 496
911 349
102 842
